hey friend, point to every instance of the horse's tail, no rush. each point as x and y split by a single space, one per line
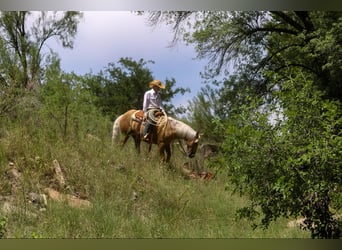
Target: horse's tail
116 130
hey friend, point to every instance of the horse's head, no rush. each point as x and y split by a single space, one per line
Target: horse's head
192 145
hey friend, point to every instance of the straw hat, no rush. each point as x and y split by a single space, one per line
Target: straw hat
157 83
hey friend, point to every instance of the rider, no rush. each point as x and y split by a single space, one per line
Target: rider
152 102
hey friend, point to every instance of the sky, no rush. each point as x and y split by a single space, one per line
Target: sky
105 37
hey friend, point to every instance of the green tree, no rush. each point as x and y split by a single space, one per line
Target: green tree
220 101
23 36
203 110
57 97
291 166
68 107
121 86
22 56
288 71
259 40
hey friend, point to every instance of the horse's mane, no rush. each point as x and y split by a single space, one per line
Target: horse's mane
181 129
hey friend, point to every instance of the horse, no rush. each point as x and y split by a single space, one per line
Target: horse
122 125
167 130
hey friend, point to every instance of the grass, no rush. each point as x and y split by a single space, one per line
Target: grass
132 196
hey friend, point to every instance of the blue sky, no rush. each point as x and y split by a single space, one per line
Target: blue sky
105 37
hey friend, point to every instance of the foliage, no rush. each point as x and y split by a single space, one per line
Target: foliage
255 41
24 35
290 167
288 71
203 108
131 196
122 86
312 45
3 222
23 56
67 105
219 103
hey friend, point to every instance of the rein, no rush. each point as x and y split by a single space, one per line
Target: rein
182 148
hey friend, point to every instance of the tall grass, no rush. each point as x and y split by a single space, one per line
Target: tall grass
133 196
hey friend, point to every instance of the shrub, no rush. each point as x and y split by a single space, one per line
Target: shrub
291 166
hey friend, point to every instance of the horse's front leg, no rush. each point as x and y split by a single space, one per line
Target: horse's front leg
149 148
168 152
137 143
161 148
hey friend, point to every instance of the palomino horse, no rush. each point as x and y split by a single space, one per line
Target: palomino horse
168 129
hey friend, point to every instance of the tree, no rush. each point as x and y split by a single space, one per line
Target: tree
23 36
57 95
203 109
281 110
122 86
68 107
258 40
290 167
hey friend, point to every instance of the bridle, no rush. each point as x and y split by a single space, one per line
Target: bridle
184 151
181 147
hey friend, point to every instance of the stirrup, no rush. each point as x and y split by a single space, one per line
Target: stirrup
146 137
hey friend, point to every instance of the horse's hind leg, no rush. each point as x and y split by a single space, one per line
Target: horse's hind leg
168 152
123 142
137 144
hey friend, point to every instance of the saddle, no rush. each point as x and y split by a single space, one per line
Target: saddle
138 116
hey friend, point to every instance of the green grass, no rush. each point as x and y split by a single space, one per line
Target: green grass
132 196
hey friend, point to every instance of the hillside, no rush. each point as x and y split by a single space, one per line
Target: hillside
119 194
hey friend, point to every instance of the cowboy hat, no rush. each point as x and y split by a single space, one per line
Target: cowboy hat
157 83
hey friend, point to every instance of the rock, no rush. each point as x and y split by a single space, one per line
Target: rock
15 177
93 137
202 175
209 150
206 175
14 174
53 194
8 208
38 199
34 197
296 223
134 196
76 202
186 168
59 174
71 200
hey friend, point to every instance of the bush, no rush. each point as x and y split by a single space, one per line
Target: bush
3 222
290 166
